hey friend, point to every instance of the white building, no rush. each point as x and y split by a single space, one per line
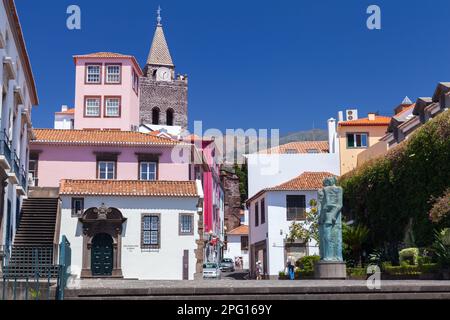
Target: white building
270 167
64 119
237 246
271 212
131 229
17 96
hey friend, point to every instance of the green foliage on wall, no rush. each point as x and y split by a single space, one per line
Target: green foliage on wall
388 192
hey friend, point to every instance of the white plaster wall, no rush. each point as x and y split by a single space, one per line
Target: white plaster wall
158 264
10 49
277 227
268 170
234 250
63 122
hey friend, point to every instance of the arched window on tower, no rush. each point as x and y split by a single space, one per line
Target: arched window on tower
155 115
169 117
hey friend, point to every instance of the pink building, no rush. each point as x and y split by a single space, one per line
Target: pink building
106 91
105 155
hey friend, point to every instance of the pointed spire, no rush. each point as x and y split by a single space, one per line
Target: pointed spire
159 52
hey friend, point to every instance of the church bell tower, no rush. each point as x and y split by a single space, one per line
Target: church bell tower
163 93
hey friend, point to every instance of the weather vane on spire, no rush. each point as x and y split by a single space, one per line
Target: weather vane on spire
158 18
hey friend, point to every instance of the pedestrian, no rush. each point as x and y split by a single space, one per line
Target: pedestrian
259 270
290 268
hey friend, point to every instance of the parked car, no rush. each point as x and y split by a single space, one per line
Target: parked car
227 265
211 270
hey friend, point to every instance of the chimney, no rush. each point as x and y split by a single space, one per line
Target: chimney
331 135
64 108
340 116
371 116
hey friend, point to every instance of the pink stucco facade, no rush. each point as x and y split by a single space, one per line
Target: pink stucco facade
56 162
127 90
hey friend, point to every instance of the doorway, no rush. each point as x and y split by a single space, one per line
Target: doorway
102 255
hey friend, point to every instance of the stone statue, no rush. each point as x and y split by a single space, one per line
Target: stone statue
330 222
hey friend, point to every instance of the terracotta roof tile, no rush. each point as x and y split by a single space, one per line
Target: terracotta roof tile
131 188
68 111
378 121
241 230
299 147
307 181
102 55
109 55
99 137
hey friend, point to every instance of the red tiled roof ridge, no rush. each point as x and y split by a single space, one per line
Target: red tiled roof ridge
378 121
159 188
306 181
96 136
299 146
241 230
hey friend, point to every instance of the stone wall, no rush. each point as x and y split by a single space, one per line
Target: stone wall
232 198
163 95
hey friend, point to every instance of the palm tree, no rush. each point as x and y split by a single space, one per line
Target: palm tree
353 238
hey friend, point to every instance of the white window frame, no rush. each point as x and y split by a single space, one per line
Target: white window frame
108 171
117 76
355 134
96 74
91 107
148 173
108 107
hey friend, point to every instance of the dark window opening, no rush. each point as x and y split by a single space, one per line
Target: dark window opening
155 116
295 207
169 117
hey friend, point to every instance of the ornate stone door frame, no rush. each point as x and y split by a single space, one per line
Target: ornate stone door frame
102 220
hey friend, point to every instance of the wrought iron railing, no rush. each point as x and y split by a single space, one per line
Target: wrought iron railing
15 164
23 178
4 146
31 272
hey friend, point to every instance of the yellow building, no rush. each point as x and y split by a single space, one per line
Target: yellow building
356 136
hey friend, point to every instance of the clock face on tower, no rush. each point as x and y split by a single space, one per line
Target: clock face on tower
163 74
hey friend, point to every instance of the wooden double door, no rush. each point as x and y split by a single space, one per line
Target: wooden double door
102 255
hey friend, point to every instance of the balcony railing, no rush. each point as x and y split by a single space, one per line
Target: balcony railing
23 178
15 166
5 150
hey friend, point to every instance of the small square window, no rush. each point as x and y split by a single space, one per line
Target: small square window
147 170
106 170
113 74
77 207
93 73
92 107
186 224
112 107
150 231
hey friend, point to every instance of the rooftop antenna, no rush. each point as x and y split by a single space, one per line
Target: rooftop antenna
158 17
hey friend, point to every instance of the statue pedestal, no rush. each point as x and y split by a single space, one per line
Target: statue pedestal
330 270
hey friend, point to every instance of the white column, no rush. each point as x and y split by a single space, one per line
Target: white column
2 54
24 149
9 105
17 126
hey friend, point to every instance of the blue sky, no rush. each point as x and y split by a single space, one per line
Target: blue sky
287 64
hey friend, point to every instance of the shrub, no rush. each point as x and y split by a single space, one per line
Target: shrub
306 263
402 270
356 271
429 268
418 169
409 256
